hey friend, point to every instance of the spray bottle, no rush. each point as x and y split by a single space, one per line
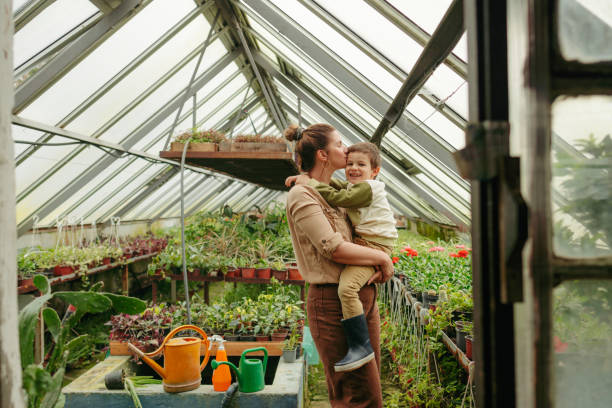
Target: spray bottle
221 378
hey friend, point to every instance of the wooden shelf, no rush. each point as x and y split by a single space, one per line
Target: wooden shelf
56 280
232 348
267 169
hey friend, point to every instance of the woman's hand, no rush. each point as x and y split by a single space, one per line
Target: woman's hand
353 254
300 179
383 273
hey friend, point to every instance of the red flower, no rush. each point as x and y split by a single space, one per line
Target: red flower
463 253
453 255
560 347
395 259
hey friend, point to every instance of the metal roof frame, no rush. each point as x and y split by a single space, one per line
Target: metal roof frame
242 44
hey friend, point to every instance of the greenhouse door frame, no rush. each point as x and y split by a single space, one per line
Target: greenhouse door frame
498 212
548 76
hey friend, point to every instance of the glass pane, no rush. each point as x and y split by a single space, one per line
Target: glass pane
146 75
428 17
585 30
49 26
581 182
106 60
377 31
582 344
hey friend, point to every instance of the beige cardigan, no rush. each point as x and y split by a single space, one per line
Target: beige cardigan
317 229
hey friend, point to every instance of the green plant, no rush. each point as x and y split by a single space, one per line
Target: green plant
258 139
203 136
292 341
42 382
586 185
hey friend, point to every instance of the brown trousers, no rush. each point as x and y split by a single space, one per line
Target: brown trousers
358 388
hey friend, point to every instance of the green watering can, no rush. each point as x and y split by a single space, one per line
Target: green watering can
251 372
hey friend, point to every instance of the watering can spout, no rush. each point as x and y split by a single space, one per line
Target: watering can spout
148 360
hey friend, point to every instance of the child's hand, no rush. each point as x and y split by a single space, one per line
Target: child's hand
289 181
301 179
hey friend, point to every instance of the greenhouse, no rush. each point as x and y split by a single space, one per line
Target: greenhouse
306 203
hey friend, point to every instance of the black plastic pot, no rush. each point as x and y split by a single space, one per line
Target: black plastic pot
429 299
248 337
460 335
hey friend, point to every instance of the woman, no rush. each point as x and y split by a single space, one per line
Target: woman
322 241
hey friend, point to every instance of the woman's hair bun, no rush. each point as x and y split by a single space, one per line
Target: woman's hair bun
292 133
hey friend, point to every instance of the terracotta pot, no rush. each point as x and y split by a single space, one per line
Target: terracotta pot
26 283
263 273
247 273
278 336
280 275
231 273
294 274
262 338
61 270
468 346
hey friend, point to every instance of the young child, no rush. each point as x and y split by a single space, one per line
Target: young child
368 209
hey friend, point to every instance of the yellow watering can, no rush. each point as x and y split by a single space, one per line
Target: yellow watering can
182 367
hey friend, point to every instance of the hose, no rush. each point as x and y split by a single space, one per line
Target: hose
229 395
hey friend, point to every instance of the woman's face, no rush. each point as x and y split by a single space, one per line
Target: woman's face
336 151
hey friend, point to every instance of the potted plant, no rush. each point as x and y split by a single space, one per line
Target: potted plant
262 269
201 141
430 297
462 328
254 143
290 347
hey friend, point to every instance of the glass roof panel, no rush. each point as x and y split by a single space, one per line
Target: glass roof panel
51 186
147 108
142 77
170 194
342 47
460 49
107 59
90 187
45 158
192 197
427 17
128 192
376 30
429 116
51 24
154 199
449 87
136 174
